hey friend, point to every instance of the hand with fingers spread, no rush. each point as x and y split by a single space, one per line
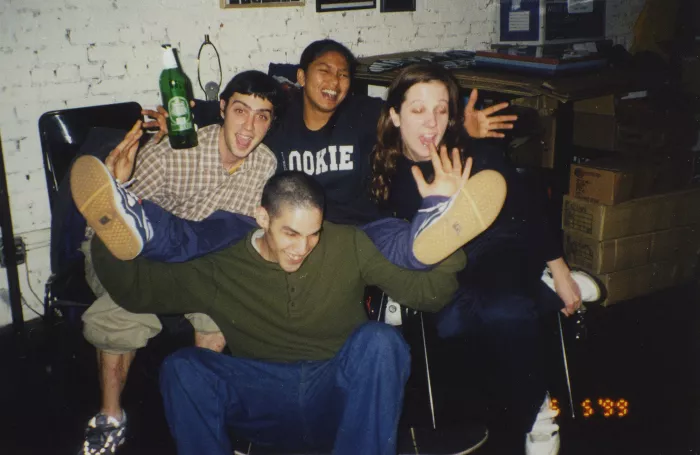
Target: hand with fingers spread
121 160
159 116
483 124
450 175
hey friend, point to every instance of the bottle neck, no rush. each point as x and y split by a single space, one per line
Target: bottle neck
169 61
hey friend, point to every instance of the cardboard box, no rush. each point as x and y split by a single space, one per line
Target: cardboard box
614 124
629 252
618 179
595 125
534 133
639 281
638 216
602 181
642 125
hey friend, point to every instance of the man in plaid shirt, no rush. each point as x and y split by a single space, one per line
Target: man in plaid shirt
225 171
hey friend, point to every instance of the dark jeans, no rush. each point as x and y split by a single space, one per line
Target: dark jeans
506 350
178 240
350 403
497 309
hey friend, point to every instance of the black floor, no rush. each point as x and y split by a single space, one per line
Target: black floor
645 351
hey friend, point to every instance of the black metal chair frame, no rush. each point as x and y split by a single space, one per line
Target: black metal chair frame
62 134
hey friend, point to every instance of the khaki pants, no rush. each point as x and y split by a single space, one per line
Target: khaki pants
111 328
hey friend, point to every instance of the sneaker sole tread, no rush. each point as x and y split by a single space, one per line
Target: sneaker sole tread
93 194
475 208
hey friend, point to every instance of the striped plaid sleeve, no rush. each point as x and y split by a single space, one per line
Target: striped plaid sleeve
149 176
268 166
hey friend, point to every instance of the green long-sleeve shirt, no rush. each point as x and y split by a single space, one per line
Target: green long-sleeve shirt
266 313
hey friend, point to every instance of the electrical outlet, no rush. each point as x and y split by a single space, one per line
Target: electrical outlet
20 251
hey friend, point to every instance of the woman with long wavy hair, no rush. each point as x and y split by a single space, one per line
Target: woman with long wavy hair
501 296
442 127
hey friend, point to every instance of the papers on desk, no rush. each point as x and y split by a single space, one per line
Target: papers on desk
579 6
450 60
377 91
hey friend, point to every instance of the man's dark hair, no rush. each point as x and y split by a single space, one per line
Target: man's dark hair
258 84
321 47
293 188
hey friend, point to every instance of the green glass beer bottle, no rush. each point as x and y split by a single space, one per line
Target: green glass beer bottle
175 89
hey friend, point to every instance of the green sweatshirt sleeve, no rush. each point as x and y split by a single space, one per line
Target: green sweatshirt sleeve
421 290
143 286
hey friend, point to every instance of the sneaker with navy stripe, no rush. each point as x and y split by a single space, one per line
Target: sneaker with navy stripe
115 214
447 226
104 434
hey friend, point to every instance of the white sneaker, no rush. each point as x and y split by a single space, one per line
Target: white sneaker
590 289
544 439
392 313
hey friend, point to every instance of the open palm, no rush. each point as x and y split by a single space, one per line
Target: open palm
120 161
482 124
450 175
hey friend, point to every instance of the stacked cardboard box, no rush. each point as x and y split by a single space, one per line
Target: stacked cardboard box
627 218
634 123
617 179
633 245
615 124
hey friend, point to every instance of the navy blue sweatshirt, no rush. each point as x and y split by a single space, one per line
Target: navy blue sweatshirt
337 155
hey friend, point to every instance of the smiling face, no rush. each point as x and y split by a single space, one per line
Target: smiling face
422 118
326 82
247 119
290 235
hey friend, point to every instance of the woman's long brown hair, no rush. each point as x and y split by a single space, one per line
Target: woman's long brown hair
389 145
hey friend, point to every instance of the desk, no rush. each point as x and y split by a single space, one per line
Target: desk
551 96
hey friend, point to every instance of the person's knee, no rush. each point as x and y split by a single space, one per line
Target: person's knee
179 366
512 314
111 328
118 340
381 341
212 341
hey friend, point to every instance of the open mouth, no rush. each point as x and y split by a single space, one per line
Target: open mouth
330 95
243 142
427 139
295 259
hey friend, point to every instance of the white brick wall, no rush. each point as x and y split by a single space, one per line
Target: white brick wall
72 53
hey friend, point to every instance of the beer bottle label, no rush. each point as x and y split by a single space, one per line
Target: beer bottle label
179 113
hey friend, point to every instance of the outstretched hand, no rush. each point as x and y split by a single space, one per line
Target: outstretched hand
482 124
450 175
120 161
